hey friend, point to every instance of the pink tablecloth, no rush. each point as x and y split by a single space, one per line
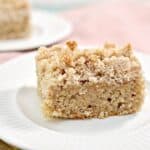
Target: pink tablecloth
119 22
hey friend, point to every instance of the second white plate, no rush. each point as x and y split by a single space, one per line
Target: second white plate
47 29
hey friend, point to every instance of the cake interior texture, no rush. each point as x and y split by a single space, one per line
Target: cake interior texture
14 19
89 83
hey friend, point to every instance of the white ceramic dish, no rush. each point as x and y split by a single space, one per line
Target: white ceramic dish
47 29
22 123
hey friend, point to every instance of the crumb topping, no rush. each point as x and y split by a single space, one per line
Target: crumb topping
109 64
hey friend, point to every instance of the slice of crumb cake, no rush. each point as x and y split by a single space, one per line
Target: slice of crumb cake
89 83
14 19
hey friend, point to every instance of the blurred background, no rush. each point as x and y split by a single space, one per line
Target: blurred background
98 21
57 5
60 5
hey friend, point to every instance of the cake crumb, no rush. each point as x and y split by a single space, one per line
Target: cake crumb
72 45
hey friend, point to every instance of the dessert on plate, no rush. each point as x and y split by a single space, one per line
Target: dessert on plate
14 19
89 83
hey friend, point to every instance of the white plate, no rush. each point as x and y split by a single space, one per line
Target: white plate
47 29
22 123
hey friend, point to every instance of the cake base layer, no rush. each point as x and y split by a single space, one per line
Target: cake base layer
94 100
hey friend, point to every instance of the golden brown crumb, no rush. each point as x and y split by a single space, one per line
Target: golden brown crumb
67 59
127 50
71 44
108 45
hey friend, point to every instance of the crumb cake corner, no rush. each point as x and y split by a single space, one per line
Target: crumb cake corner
89 83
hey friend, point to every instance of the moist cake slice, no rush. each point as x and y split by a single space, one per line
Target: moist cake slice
14 19
89 83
